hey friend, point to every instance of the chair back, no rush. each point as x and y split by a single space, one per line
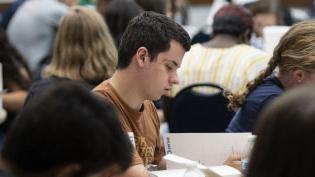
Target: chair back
191 111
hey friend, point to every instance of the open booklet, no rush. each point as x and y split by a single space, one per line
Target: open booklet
185 164
209 149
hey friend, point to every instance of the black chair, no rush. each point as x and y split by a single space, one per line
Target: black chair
191 111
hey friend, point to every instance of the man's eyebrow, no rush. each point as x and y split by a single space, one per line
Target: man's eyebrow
174 63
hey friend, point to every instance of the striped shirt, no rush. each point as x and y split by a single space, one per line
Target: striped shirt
231 68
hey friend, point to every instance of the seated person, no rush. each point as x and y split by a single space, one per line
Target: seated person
67 132
87 55
285 131
264 15
227 59
294 57
33 27
150 52
117 15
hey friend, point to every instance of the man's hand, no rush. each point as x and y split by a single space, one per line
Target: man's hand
234 160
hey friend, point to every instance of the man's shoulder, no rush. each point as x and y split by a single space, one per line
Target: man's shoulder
149 105
102 87
103 90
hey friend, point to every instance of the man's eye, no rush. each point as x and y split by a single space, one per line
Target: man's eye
169 68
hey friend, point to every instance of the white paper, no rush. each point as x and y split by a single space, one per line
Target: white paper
272 36
213 171
168 173
209 149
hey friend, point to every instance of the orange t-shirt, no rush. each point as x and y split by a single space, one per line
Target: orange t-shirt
144 125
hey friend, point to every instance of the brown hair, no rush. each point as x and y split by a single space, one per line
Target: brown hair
84 49
296 50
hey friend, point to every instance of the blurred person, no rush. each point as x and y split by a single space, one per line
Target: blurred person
68 132
181 14
158 6
16 81
264 16
150 52
118 14
294 60
9 12
33 27
101 6
285 131
267 13
84 51
227 59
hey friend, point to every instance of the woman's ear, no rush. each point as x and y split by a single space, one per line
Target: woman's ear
298 75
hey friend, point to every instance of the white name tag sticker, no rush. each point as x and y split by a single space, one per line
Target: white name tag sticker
132 138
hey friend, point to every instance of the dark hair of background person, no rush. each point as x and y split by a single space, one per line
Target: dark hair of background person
66 125
118 13
16 77
10 11
153 31
158 6
233 20
285 137
13 65
101 5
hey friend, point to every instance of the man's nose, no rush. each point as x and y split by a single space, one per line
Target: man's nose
174 78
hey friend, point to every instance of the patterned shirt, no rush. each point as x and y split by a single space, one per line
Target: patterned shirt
231 68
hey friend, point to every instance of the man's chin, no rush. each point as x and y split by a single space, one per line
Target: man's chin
167 93
157 98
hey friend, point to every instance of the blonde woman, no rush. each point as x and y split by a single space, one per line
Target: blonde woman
84 51
294 56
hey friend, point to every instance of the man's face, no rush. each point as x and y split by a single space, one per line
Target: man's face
161 73
263 20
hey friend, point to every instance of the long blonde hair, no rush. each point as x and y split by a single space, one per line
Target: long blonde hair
84 49
296 50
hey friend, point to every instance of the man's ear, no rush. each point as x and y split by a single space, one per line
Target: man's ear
68 170
141 56
298 75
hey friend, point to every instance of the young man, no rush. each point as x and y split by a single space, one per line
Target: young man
150 52
67 132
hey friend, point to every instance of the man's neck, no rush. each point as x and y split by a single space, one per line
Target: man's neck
127 88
